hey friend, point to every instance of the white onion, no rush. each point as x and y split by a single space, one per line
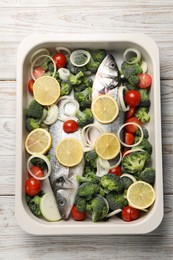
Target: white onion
85 134
134 150
144 66
43 157
52 115
34 62
38 53
130 145
121 98
64 73
76 53
113 213
65 100
64 49
106 165
129 176
128 54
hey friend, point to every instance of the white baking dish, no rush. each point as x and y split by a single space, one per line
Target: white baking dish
116 43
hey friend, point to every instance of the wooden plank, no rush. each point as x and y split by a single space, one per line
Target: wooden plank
16 244
8 99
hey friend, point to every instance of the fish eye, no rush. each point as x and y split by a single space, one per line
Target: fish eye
60 181
112 66
61 202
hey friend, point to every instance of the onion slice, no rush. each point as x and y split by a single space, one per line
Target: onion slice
63 50
38 53
121 98
67 114
85 134
64 73
144 66
134 150
129 176
34 65
52 115
130 145
113 213
106 165
75 56
43 157
132 55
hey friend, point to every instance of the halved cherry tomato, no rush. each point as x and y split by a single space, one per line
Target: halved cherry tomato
32 186
70 126
129 138
145 80
38 72
128 214
132 128
77 215
132 98
60 60
37 171
117 171
130 112
30 86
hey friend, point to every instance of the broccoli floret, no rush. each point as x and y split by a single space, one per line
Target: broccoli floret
89 177
130 87
86 83
111 182
35 110
145 101
80 203
75 70
142 114
98 55
145 132
130 70
34 204
93 65
32 124
39 162
76 79
133 80
88 190
90 158
148 175
97 208
126 182
144 144
84 98
135 162
116 201
66 88
84 117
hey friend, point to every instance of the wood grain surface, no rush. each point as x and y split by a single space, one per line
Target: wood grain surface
20 18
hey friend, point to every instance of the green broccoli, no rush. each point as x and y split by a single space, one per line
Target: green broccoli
145 132
84 117
133 80
148 175
34 203
35 110
142 114
89 177
135 162
98 55
40 162
93 65
66 88
145 101
90 158
126 182
76 79
112 182
144 144
97 208
116 201
75 70
130 70
80 203
84 98
32 124
86 83
88 190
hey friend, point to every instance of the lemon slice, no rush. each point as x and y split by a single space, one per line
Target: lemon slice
46 90
107 146
140 195
69 152
105 109
38 141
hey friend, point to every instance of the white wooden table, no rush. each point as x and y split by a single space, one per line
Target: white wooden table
20 18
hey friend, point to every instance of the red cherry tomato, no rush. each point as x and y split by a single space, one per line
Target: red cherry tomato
132 128
145 80
130 112
117 171
128 214
37 171
132 98
38 72
77 215
60 60
30 86
70 126
129 138
32 186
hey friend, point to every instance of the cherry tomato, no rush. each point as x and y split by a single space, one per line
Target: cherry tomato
132 128
32 186
145 80
60 60
117 171
77 215
128 213
30 86
129 138
132 98
38 72
37 171
130 112
70 126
